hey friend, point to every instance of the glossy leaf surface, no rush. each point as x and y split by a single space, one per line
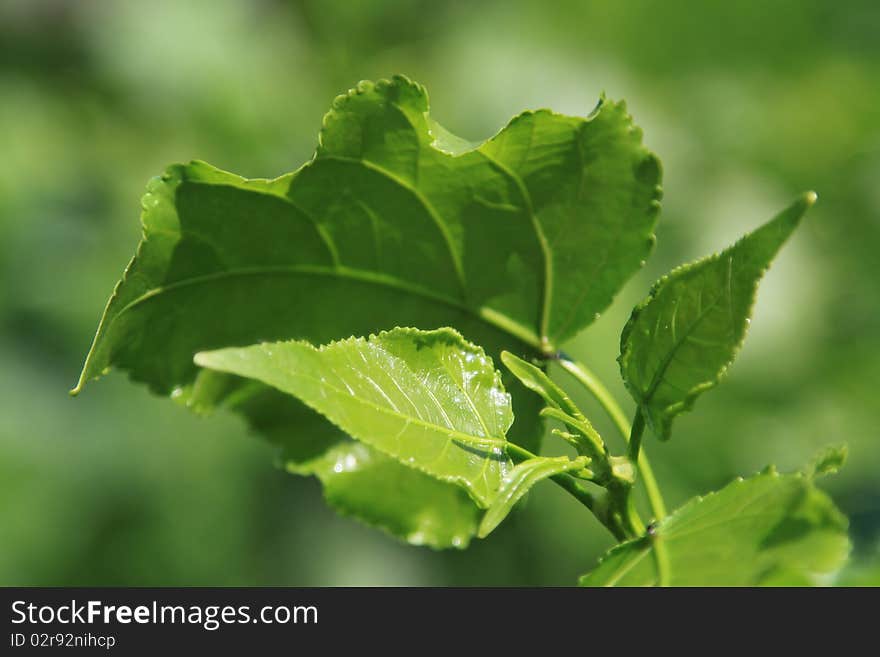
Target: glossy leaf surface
426 398
394 222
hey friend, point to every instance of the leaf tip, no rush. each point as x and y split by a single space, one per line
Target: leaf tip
487 525
203 359
508 359
80 384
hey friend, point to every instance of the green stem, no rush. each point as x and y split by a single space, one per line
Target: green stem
633 522
635 437
661 558
586 378
566 481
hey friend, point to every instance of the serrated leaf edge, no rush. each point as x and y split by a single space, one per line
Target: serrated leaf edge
770 472
687 404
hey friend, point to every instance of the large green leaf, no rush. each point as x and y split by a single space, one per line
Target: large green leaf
427 398
768 529
393 222
517 242
594 193
681 339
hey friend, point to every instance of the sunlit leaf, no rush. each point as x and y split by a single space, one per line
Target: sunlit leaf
427 398
681 339
517 242
768 529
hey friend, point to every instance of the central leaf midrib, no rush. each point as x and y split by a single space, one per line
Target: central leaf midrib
623 570
658 377
475 441
547 288
436 218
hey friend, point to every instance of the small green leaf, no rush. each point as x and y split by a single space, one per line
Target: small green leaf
594 193
770 528
681 339
587 440
537 381
828 461
427 398
518 482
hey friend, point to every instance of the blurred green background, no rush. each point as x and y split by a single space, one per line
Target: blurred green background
747 104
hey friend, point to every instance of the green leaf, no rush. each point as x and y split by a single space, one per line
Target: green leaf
423 231
587 440
594 193
394 222
427 398
538 382
358 481
768 529
363 483
520 480
828 461
679 341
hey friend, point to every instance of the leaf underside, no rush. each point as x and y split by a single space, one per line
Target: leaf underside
767 529
679 341
426 398
376 489
394 222
358 480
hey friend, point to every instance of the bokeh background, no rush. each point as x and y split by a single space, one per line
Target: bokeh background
747 104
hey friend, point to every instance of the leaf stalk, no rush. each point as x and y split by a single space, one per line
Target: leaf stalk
589 380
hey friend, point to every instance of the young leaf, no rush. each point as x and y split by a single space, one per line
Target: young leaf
538 382
520 480
828 461
587 440
681 339
429 399
770 528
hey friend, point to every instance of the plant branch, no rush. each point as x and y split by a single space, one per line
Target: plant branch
570 485
661 557
635 436
586 378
